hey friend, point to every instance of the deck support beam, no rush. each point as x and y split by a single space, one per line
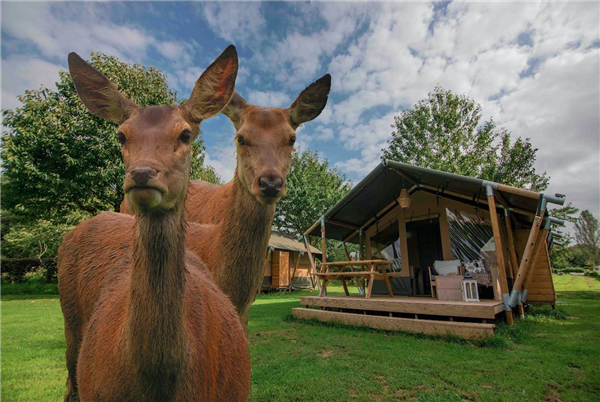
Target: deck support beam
515 297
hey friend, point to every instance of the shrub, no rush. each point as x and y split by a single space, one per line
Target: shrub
29 269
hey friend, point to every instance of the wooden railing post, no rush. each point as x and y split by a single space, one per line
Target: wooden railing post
499 254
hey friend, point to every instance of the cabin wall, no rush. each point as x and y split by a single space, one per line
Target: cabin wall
278 272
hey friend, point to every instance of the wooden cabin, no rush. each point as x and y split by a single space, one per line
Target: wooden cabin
439 253
287 265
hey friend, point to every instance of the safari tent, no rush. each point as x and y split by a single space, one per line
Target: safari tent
287 265
438 253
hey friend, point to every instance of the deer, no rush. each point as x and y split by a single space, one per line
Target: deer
144 319
237 216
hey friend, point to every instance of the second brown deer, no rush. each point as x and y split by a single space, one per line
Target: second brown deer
243 209
144 320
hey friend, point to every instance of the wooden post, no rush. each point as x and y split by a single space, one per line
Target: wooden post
312 262
369 251
445 232
527 254
499 254
403 243
512 250
346 251
323 241
361 240
295 268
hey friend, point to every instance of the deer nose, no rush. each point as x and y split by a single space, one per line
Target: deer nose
270 185
141 175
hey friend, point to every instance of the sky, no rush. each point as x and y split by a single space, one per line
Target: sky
534 67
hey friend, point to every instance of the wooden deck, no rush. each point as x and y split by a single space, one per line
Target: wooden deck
485 309
408 314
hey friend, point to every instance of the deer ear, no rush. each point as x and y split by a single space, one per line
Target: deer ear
234 109
214 88
97 93
311 102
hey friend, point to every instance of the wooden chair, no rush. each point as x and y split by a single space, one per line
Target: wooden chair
432 283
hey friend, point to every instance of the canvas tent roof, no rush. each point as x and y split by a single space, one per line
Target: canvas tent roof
283 242
382 186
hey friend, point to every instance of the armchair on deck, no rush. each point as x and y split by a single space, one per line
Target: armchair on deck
443 268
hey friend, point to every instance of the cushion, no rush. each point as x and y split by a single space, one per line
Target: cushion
475 267
444 268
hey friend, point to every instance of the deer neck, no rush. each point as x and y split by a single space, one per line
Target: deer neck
243 239
155 333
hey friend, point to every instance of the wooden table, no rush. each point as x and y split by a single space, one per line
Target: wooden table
369 269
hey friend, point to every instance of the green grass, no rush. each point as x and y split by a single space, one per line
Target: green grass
543 357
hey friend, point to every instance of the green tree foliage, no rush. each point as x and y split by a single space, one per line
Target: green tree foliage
61 164
445 132
587 234
312 188
563 256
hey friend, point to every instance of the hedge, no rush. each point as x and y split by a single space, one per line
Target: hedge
15 269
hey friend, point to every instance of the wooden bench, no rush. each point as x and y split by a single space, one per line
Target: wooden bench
368 269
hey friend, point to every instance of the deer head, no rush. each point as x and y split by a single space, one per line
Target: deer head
265 138
155 140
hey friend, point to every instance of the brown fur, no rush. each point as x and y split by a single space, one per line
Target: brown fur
241 217
144 319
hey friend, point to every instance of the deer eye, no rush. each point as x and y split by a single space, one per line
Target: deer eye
292 141
241 140
121 138
185 136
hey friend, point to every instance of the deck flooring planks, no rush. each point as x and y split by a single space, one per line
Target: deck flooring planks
410 305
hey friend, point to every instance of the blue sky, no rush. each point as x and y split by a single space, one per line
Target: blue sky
534 67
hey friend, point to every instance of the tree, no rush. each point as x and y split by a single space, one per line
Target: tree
312 188
61 164
445 132
587 234
58 158
562 256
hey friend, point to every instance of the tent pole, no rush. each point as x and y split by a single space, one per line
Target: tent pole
499 254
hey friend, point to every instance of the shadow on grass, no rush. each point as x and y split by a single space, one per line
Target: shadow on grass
580 294
33 288
12 297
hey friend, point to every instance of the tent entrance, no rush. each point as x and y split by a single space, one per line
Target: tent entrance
424 247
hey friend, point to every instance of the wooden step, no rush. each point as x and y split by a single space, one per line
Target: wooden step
409 305
465 330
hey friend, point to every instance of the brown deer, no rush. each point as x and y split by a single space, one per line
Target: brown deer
243 209
144 320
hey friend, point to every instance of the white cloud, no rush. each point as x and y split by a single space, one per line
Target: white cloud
57 29
240 23
20 73
534 67
269 98
222 159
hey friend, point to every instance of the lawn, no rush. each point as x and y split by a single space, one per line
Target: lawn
542 358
